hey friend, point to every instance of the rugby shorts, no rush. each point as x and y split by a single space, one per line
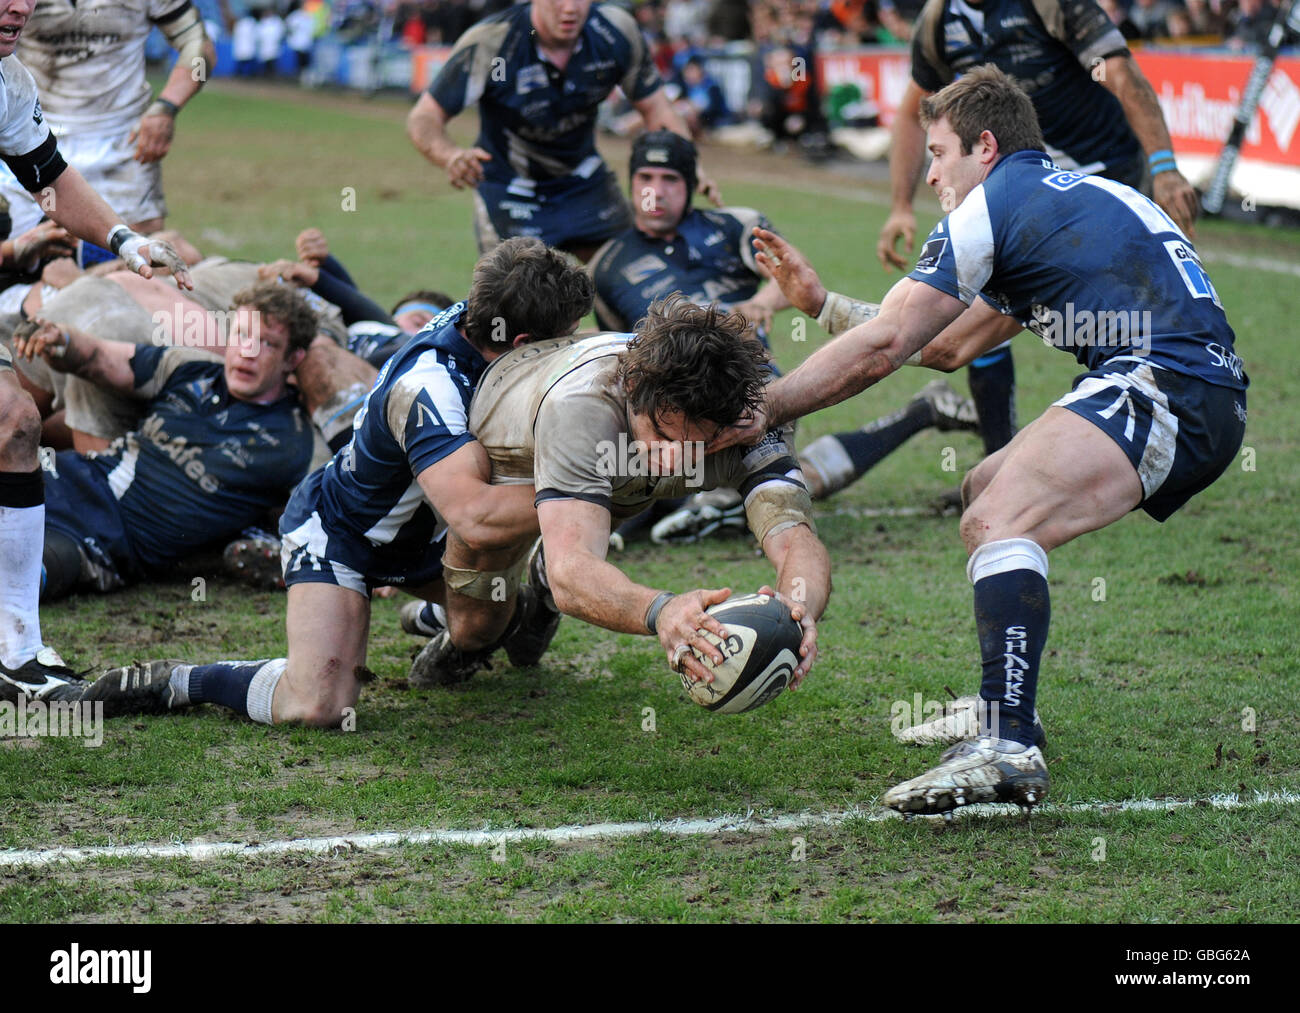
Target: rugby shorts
1179 432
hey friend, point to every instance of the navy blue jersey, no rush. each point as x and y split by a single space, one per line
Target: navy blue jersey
365 508
538 122
1050 47
710 260
201 467
1088 264
375 341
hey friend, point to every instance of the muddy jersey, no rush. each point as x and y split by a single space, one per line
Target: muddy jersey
1051 48
554 413
1090 265
201 466
88 58
710 260
536 121
22 124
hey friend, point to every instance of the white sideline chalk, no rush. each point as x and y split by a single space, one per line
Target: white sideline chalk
748 824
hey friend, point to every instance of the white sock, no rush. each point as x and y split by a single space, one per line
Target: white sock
22 543
261 691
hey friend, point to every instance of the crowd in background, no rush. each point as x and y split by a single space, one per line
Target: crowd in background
686 36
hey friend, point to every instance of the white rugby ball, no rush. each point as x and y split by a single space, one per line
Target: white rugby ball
760 655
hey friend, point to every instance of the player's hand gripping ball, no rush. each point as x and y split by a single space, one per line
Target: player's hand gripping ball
760 655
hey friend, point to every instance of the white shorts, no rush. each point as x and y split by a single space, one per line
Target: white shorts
106 159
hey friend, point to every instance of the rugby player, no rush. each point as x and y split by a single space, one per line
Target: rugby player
377 513
32 154
601 427
221 442
537 72
1158 417
88 60
1098 115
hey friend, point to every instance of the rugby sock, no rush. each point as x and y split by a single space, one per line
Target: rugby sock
1012 614
245 687
992 380
22 541
843 458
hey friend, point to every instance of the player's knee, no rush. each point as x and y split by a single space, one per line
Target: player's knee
479 625
975 526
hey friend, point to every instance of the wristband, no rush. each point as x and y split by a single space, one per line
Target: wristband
1162 161
162 107
656 606
840 313
118 235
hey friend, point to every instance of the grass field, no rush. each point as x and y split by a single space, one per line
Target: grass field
1166 647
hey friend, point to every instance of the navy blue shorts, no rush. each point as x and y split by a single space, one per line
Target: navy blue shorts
310 555
1179 432
566 212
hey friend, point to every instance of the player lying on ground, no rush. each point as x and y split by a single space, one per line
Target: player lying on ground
538 73
600 427
1158 417
377 513
221 441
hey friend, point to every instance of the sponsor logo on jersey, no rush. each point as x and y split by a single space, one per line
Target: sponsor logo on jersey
931 252
530 78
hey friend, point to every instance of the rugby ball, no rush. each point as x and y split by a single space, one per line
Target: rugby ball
760 655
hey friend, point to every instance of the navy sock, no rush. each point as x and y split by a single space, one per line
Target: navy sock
225 683
871 444
1012 613
992 380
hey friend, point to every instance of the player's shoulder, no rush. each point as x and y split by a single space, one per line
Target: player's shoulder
16 79
610 18
493 30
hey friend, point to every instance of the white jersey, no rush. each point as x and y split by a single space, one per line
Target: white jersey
22 128
88 59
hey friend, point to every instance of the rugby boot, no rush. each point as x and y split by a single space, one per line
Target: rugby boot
977 770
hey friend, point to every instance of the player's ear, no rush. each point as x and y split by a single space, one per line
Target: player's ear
294 359
990 143
521 339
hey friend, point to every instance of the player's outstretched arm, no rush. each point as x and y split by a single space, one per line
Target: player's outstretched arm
906 159
78 208
426 126
484 516
1169 188
803 582
910 316
70 350
585 586
979 329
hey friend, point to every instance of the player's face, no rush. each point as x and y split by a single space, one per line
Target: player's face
953 175
13 16
558 22
257 357
660 199
674 443
412 320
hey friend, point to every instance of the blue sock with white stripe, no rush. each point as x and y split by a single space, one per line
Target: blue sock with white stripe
245 687
1012 614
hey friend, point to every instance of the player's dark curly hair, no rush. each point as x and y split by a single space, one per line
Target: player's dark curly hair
524 287
986 99
697 360
282 304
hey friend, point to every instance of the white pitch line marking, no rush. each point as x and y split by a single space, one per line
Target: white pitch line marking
748 824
